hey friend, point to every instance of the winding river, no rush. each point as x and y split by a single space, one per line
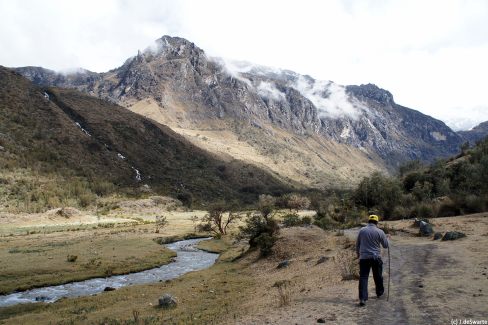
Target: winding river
188 259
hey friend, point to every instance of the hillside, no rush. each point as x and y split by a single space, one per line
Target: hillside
60 145
315 132
477 133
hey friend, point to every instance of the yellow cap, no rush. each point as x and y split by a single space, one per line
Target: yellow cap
374 217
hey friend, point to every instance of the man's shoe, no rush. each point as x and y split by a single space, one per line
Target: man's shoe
362 303
379 296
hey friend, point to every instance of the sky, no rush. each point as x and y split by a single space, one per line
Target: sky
432 55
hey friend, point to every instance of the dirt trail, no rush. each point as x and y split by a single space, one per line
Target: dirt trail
433 282
410 265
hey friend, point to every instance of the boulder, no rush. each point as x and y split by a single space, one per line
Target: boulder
167 301
417 222
426 229
42 298
109 289
437 236
283 264
322 259
453 235
321 320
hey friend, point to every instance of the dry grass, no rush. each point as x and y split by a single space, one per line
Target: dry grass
293 158
204 297
39 260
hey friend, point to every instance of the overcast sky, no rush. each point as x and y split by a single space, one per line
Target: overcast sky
432 55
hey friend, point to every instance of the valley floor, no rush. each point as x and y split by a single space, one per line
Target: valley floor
432 282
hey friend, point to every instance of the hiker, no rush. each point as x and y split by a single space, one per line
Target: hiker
369 253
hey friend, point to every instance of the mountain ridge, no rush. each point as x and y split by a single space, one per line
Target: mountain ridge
178 85
63 131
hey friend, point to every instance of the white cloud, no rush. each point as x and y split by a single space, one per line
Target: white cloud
430 54
330 99
268 90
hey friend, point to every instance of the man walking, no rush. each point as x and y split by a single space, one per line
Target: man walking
369 253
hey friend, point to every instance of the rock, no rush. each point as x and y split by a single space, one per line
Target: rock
426 229
417 222
2 148
322 259
167 301
437 236
283 264
109 289
453 235
321 320
42 298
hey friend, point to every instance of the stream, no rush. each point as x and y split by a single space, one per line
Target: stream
188 259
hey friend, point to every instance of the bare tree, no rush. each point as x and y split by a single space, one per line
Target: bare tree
161 222
298 202
217 220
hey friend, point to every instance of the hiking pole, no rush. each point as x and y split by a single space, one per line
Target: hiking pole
389 274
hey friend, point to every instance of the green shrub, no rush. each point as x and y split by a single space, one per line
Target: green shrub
423 210
474 204
292 220
307 221
261 232
265 242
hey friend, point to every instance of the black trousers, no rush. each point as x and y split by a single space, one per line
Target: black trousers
364 266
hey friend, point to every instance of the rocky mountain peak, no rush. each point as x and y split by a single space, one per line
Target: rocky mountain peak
372 92
169 47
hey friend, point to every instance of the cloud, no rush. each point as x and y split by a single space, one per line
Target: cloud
269 90
468 120
330 99
431 65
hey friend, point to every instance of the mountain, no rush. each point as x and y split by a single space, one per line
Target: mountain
476 134
315 132
68 133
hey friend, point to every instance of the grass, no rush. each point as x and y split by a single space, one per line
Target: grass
204 297
39 260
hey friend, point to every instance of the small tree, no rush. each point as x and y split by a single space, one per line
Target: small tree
218 219
161 222
194 220
266 205
298 202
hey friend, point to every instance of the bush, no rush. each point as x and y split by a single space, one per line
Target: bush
71 258
261 232
284 292
448 209
474 204
292 220
307 221
265 242
348 265
423 210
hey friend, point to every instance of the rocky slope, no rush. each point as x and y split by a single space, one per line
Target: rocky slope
52 130
477 133
335 134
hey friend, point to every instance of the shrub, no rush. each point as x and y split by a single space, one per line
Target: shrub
474 204
71 258
292 220
307 221
423 210
348 265
448 208
284 292
261 232
186 198
265 242
161 222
